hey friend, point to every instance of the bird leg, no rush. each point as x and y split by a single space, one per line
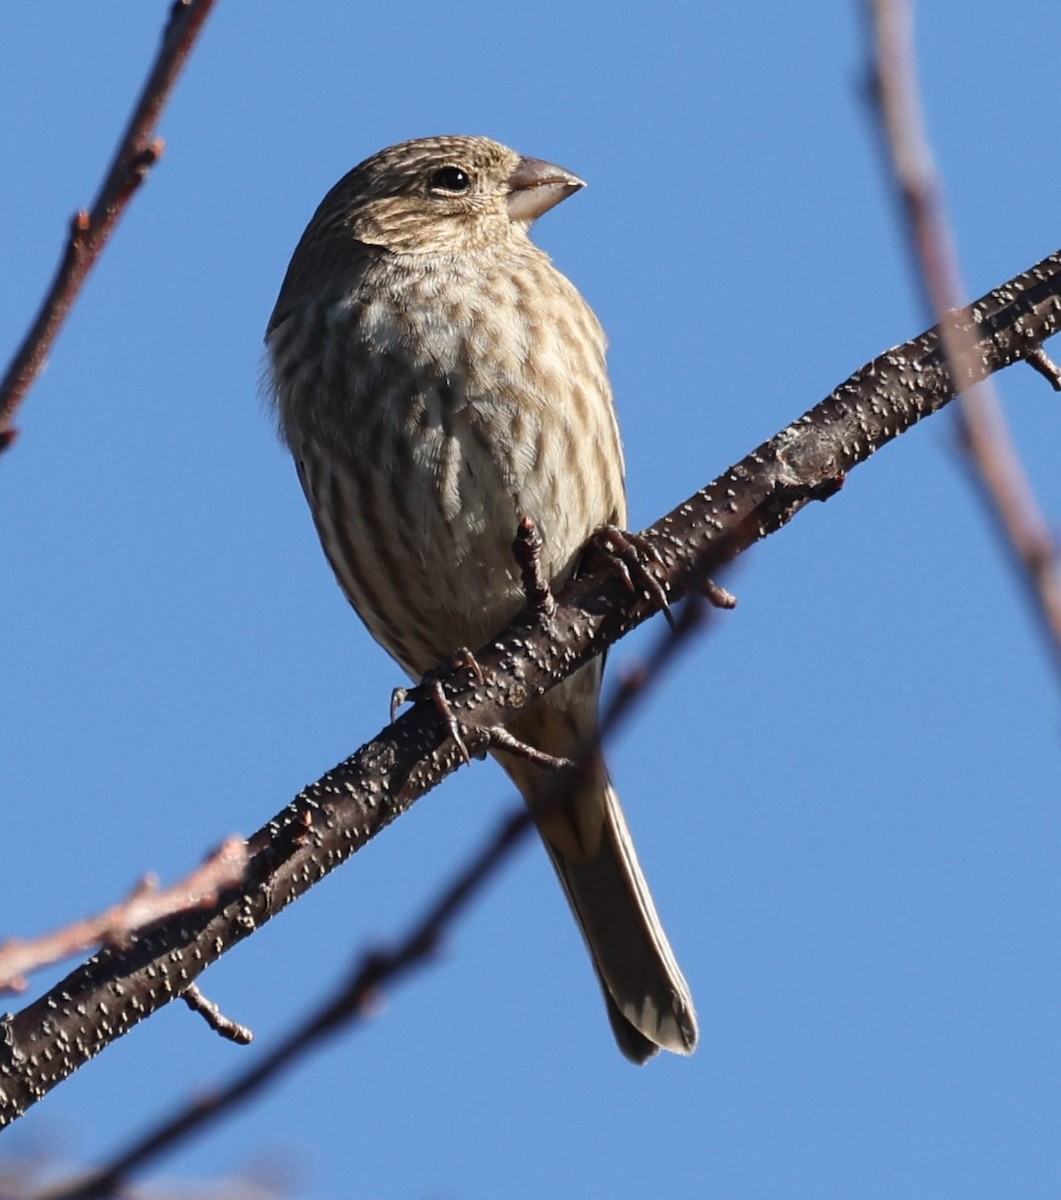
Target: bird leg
528 551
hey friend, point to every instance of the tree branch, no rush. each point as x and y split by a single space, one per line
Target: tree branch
994 464
339 813
137 153
356 1000
117 926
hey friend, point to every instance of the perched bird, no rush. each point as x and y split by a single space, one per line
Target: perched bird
436 380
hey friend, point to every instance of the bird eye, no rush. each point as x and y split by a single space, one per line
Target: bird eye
450 179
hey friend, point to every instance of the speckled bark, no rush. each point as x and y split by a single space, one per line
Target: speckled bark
325 824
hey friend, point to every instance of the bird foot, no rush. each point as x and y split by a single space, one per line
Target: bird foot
634 556
430 687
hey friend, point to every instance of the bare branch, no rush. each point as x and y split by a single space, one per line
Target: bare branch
137 152
995 465
356 1000
147 903
349 1006
334 817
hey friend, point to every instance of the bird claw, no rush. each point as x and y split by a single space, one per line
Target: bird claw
398 697
634 555
442 707
430 687
462 659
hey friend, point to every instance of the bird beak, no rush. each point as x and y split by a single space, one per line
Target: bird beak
535 186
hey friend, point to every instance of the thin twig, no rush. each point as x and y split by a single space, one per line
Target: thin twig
211 1013
996 468
137 152
146 904
1040 361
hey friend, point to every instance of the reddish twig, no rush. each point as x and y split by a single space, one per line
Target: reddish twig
147 903
984 436
137 152
357 998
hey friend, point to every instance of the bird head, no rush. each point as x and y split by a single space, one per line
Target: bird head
444 195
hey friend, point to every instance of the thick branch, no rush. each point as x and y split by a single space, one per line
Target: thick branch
137 152
352 1003
335 816
382 968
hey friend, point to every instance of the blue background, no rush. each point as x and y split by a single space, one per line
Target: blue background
846 797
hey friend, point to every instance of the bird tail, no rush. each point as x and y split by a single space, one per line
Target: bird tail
648 1001
585 831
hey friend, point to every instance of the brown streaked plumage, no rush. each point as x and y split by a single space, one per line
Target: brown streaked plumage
437 379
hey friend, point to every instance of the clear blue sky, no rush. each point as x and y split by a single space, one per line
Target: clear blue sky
847 796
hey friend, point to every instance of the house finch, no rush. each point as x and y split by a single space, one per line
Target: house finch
437 380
